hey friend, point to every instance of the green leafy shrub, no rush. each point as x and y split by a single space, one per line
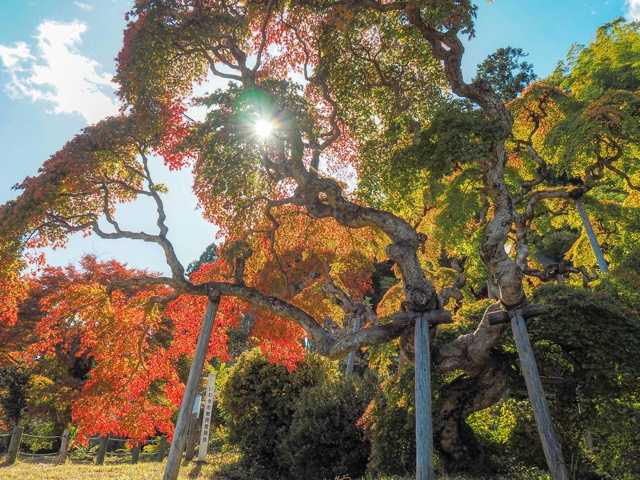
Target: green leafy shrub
298 424
390 426
589 346
508 432
324 439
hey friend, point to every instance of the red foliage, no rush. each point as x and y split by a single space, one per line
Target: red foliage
123 335
293 37
135 345
174 130
280 340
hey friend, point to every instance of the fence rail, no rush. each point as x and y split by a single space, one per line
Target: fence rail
63 452
45 437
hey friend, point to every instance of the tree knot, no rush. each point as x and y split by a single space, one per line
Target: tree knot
516 306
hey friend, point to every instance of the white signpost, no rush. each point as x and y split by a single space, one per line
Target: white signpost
206 417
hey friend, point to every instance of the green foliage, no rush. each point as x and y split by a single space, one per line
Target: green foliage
457 135
598 338
554 245
435 165
609 63
614 438
495 424
299 424
506 72
466 319
589 344
229 162
461 202
596 108
13 391
324 439
587 348
40 427
387 85
624 278
230 173
596 130
152 65
382 74
390 424
584 121
508 432
209 255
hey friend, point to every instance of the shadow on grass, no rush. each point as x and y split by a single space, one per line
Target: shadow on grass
195 471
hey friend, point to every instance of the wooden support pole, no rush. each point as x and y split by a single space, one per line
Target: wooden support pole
177 444
64 446
102 450
14 445
424 427
162 448
350 358
529 367
135 454
593 240
192 437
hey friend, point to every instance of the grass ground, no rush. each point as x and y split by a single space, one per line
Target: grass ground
214 469
140 471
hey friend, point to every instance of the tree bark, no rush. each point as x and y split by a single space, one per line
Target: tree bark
162 448
350 358
458 447
192 437
14 445
177 444
135 454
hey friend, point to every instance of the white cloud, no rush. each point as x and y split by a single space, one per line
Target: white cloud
634 9
83 6
10 57
57 73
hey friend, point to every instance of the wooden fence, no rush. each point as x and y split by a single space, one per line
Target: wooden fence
102 447
105 449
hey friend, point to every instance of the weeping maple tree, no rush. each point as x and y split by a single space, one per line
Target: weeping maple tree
346 139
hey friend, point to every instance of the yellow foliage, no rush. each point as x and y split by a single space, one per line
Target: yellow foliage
391 301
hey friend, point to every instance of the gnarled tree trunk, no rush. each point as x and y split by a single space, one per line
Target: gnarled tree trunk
455 440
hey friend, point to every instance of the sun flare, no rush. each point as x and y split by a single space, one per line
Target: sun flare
263 128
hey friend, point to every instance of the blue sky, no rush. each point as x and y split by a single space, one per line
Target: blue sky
57 58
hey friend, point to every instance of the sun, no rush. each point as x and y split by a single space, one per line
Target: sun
263 128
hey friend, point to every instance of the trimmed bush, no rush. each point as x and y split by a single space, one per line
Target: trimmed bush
324 440
258 402
298 424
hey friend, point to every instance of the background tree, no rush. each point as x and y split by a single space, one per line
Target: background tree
402 164
506 72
